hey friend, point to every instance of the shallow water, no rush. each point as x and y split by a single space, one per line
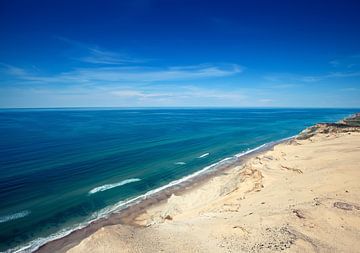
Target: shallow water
60 167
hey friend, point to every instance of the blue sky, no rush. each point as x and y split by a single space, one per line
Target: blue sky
151 53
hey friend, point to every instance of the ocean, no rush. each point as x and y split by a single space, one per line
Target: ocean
62 168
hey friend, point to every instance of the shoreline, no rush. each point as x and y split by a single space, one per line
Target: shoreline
157 196
301 195
138 205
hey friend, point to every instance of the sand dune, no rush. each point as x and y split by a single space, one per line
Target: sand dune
301 196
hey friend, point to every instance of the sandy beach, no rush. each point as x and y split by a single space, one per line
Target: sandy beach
147 126
301 196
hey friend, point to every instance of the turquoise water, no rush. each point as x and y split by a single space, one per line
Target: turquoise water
60 168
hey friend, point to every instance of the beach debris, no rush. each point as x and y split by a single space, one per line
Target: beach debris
275 240
346 206
229 207
168 217
258 186
243 230
293 142
292 169
317 202
258 159
299 214
268 157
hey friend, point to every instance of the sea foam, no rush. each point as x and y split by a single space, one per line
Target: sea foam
14 216
204 155
180 163
110 186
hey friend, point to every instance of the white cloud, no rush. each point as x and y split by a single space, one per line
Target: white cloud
193 91
349 62
180 92
266 100
139 94
285 86
97 55
343 74
334 63
288 77
107 75
116 79
350 89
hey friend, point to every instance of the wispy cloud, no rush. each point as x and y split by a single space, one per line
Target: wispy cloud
96 55
190 91
108 75
343 74
286 77
180 93
266 100
112 68
342 67
334 63
167 95
100 56
139 94
350 89
12 70
284 86
349 61
357 56
109 78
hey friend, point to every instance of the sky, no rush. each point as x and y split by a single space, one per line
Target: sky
167 53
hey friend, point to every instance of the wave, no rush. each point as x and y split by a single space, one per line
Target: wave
110 186
105 212
14 216
180 163
252 150
204 155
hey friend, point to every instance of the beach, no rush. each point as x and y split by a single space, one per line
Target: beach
302 195
179 126
103 167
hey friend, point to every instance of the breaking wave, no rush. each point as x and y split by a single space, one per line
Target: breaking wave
204 155
110 186
14 216
180 163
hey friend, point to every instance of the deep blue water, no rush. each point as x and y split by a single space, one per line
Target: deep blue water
52 162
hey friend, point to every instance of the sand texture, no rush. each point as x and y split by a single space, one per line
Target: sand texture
301 196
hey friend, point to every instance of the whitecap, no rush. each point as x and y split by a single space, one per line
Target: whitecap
110 186
204 155
180 163
14 216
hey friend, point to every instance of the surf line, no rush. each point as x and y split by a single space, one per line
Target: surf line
204 155
14 216
110 186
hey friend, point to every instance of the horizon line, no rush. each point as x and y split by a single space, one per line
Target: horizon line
171 107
